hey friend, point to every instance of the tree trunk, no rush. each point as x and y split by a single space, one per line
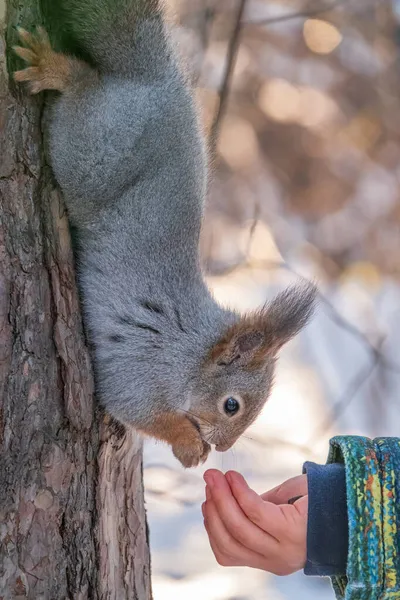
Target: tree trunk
72 518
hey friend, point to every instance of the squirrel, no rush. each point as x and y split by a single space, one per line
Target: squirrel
128 153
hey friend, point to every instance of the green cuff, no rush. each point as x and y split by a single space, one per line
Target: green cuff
389 450
372 485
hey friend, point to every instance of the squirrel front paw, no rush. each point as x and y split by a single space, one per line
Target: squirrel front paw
191 455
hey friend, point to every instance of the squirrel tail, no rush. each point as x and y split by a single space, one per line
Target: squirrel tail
116 36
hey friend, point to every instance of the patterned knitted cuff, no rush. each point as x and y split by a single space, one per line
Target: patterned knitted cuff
365 566
388 450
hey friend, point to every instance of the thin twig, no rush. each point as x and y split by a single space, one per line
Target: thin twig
344 324
334 314
256 218
232 52
346 399
205 32
230 64
234 47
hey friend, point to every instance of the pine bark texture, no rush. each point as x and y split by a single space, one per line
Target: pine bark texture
72 518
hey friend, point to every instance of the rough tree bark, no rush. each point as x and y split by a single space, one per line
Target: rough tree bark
72 519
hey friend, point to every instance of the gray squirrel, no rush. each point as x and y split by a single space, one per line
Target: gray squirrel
128 153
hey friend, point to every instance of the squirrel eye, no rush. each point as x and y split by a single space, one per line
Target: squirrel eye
231 406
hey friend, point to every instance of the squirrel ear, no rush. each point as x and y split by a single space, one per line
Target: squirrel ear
259 335
239 344
287 314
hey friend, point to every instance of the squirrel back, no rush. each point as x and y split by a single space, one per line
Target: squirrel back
128 153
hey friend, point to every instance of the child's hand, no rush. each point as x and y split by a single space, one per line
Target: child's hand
263 532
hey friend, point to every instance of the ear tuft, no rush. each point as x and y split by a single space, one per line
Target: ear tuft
256 338
289 312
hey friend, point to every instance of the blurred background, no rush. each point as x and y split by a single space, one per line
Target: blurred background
301 105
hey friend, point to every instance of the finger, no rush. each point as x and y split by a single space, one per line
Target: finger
265 515
297 486
224 546
301 506
210 474
227 550
236 522
221 560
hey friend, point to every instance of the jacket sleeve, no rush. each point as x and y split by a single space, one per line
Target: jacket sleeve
373 507
327 527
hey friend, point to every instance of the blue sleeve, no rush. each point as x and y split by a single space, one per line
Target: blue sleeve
327 532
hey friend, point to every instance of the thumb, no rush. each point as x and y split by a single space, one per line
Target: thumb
301 506
297 486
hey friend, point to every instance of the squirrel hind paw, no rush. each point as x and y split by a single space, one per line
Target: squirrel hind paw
48 69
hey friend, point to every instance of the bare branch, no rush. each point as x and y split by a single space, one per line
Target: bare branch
346 399
234 46
223 94
333 313
256 218
204 22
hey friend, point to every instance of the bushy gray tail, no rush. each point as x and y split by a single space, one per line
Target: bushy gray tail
118 35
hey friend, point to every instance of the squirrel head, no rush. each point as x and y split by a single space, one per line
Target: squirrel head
237 374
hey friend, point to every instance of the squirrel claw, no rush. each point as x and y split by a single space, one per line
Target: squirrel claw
206 452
